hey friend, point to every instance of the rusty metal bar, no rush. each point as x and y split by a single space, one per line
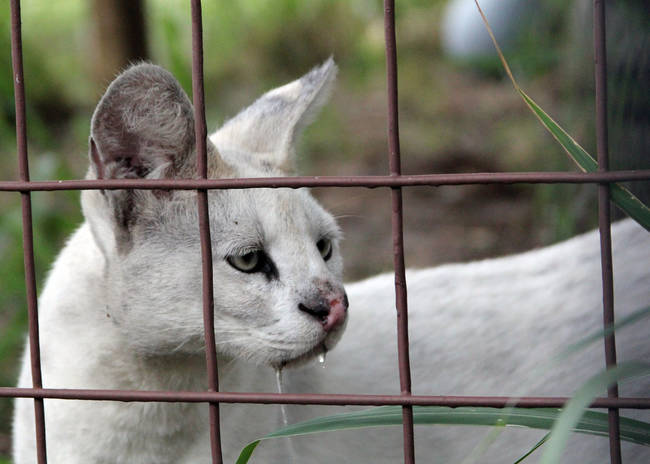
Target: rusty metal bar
200 132
604 217
397 230
431 180
28 235
322 399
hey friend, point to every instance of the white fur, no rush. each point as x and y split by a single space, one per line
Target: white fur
122 309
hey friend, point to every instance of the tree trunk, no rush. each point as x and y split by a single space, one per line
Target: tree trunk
119 36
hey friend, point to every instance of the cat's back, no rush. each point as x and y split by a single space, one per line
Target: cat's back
490 328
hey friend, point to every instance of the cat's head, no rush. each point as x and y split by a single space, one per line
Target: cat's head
276 258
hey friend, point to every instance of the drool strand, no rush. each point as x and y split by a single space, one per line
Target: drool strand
280 385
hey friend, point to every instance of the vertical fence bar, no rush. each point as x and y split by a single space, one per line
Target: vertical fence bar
200 131
604 216
397 229
28 236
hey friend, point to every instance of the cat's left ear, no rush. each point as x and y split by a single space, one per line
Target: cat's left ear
268 130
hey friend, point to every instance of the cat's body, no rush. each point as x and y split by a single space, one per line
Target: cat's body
488 328
122 305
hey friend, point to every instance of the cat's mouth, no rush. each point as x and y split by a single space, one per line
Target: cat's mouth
318 352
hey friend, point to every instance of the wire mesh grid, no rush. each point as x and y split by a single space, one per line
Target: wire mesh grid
395 181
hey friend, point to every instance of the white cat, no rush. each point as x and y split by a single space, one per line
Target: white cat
122 304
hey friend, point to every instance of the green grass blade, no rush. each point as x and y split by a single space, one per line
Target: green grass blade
621 196
576 407
626 200
247 452
488 440
533 449
575 348
591 422
599 335
578 154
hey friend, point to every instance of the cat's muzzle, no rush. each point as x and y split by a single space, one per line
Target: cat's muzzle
331 311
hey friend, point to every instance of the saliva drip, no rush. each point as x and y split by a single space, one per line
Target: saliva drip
279 383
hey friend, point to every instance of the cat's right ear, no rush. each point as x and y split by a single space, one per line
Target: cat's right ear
143 127
270 127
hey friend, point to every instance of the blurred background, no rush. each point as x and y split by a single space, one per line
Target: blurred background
458 113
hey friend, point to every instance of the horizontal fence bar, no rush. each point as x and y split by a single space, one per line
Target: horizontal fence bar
433 180
322 399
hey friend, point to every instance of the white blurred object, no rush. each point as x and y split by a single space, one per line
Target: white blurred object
464 35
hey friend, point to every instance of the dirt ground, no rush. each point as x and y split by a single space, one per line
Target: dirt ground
440 225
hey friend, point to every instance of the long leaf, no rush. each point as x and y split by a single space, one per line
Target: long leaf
573 349
578 154
579 346
594 423
631 430
621 196
600 334
534 448
575 409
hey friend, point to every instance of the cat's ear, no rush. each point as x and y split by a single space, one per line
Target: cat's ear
143 126
270 127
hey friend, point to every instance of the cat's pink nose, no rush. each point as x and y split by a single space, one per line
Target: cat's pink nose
331 312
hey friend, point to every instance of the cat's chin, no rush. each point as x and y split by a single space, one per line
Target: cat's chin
314 355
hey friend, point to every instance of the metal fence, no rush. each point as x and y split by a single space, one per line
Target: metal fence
395 181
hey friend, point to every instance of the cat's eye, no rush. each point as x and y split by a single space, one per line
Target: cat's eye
254 261
324 246
249 262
